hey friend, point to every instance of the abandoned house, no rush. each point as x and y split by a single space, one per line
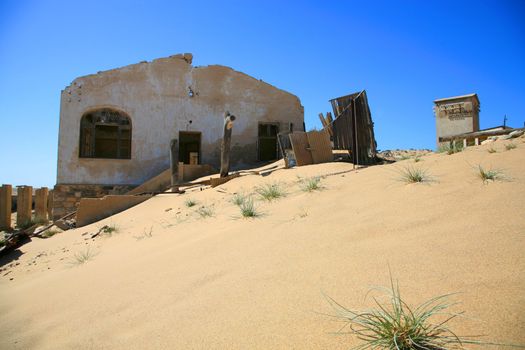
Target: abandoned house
457 121
116 126
456 115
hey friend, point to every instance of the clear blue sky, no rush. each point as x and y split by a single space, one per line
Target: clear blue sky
404 53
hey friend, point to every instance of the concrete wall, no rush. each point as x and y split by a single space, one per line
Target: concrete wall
456 115
155 95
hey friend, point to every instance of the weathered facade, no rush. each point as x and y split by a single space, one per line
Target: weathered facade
456 115
116 126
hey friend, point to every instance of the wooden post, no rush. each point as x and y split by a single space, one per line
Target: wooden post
226 142
41 204
50 205
355 150
6 192
174 161
24 204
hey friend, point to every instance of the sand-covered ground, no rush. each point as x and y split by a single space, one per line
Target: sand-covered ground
171 279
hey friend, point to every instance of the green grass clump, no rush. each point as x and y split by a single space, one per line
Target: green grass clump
145 234
205 212
491 150
190 202
311 184
110 229
83 257
417 159
510 146
414 175
26 224
238 199
50 233
451 148
248 208
489 175
270 192
397 326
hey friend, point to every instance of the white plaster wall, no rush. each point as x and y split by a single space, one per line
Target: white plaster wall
155 96
446 126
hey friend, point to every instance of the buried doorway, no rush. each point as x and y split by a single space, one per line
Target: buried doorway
189 147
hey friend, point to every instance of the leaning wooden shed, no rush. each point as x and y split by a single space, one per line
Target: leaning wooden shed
352 128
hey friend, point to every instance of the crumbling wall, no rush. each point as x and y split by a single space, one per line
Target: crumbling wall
163 97
66 198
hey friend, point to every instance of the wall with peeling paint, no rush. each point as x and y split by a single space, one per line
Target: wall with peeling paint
156 97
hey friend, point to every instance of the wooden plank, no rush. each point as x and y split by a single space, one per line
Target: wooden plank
299 141
329 122
323 121
222 180
320 146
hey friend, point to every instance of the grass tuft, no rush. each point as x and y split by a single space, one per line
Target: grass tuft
50 233
491 150
248 208
26 224
238 199
110 229
451 148
414 175
145 234
83 257
510 146
311 184
270 192
190 202
205 212
395 325
417 159
489 175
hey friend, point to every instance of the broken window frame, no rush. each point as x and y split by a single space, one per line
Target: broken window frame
105 117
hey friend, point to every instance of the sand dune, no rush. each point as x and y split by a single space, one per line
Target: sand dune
170 279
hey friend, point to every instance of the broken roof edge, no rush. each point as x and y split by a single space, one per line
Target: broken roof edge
188 57
457 98
349 95
250 77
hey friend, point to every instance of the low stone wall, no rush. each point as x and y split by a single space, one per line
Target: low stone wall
94 209
66 198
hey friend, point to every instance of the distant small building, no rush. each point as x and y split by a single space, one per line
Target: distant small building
456 115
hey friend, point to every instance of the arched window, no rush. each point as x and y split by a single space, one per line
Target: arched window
105 133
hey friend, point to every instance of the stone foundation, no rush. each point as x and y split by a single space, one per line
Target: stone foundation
66 198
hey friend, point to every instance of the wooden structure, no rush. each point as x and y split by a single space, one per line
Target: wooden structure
352 129
312 147
226 142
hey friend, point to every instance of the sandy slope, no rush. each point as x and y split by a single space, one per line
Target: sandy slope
230 283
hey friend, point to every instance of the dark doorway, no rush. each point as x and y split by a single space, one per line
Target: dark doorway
190 147
268 141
